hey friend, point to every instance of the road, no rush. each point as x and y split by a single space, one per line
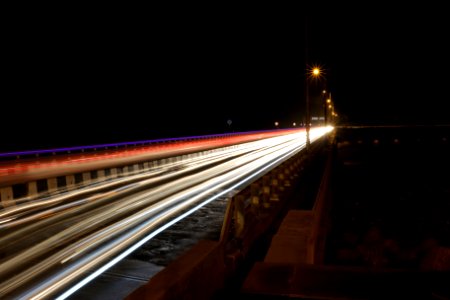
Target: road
54 246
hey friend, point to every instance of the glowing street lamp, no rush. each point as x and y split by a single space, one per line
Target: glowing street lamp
313 73
316 73
325 105
324 92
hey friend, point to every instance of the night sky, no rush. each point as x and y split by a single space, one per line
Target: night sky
84 78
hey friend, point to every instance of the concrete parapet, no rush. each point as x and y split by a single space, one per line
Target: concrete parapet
199 273
291 242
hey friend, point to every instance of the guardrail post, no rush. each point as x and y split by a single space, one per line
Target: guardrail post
286 174
274 188
6 196
32 189
281 181
86 178
239 215
293 171
113 173
255 199
70 181
52 185
100 175
266 191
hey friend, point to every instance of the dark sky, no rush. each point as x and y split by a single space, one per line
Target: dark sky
81 78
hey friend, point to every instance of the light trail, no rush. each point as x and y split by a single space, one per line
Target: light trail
104 229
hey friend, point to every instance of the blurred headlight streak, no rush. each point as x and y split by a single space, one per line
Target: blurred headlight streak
120 216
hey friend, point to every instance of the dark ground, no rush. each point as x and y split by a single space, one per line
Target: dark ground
391 197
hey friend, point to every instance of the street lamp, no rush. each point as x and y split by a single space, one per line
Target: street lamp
313 73
324 107
326 103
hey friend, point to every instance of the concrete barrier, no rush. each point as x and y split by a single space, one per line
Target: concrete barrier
199 273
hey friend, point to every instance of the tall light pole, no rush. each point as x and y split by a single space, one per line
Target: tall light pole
308 117
327 101
313 73
324 103
308 121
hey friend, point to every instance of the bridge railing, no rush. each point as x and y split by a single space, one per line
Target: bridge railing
251 212
15 155
44 181
249 216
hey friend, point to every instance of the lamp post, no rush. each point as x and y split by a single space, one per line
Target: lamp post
307 85
313 73
308 121
324 103
331 108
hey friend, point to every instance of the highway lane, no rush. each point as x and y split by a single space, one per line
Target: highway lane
65 238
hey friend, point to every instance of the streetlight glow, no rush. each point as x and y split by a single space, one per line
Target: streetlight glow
316 72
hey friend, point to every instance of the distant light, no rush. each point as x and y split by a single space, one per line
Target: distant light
276 123
294 124
328 100
324 91
316 71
